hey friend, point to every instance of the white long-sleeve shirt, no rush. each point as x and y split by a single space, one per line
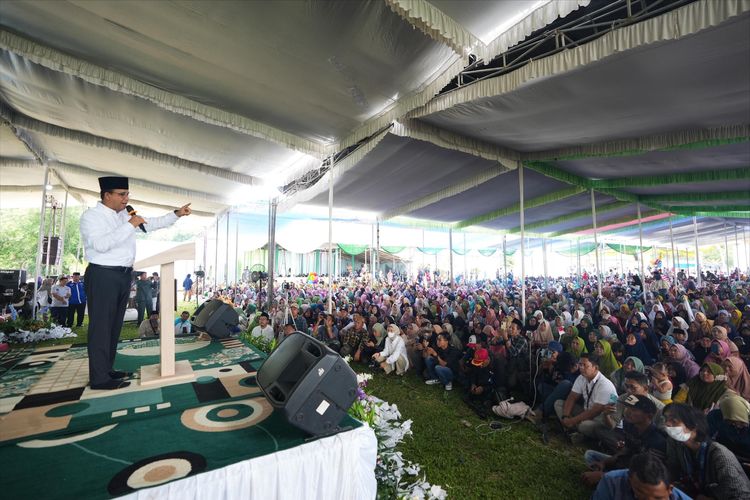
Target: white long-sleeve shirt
394 349
108 237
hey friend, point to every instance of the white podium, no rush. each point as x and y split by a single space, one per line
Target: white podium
168 371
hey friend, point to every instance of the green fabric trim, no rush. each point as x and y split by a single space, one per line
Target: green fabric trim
632 152
393 250
508 253
575 215
729 214
556 173
516 207
580 249
618 220
690 210
461 252
684 178
487 252
732 195
352 249
628 249
430 251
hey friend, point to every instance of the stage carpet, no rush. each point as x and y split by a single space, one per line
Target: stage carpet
216 437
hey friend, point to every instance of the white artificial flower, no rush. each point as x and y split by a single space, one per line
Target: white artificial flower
438 492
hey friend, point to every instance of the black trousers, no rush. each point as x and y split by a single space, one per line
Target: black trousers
74 309
107 291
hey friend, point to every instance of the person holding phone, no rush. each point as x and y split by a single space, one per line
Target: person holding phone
182 325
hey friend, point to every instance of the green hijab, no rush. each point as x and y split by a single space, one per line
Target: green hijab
567 343
608 363
702 395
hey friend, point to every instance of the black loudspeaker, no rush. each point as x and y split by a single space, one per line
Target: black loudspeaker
309 383
12 279
216 318
55 249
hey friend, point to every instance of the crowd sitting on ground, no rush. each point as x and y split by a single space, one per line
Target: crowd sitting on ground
659 369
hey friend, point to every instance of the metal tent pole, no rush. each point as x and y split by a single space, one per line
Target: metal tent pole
272 206
466 270
736 251
505 262
726 248
40 238
697 257
544 255
450 257
226 255
62 234
671 241
236 248
377 247
596 247
523 245
216 256
640 249
330 237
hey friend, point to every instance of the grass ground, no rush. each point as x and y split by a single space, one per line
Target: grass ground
473 462
477 462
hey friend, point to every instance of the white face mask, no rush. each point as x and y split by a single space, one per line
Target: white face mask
678 434
391 335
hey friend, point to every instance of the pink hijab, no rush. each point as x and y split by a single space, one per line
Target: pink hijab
740 381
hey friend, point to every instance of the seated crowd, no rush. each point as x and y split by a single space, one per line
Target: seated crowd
653 379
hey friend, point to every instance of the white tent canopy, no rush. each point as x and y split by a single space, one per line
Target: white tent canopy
221 103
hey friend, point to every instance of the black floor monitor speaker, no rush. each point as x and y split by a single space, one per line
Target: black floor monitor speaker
309 383
216 318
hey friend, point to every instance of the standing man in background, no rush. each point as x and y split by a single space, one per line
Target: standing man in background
77 302
187 287
155 287
108 235
60 296
144 297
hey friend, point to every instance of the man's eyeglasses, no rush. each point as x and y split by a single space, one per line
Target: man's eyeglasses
121 194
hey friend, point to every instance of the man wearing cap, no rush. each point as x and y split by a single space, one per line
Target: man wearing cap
108 235
640 434
77 302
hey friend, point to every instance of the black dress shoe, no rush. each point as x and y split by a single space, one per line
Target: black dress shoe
110 385
118 374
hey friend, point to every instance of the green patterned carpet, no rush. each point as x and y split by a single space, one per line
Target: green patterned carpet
99 444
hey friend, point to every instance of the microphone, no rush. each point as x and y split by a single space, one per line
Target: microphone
131 211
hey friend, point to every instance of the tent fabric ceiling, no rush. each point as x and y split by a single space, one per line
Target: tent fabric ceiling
677 85
394 173
201 101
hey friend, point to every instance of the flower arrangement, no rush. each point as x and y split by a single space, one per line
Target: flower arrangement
25 331
396 476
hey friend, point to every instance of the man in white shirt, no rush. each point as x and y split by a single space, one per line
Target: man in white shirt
263 328
108 235
60 296
592 389
393 356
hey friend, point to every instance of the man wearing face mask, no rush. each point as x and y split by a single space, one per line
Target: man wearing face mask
393 356
703 468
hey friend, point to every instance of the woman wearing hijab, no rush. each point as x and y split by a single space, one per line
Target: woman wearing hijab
375 343
542 335
660 324
607 362
631 364
573 343
719 352
729 424
634 347
681 355
738 378
704 326
705 389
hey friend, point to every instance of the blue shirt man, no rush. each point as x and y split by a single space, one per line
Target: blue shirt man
76 302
